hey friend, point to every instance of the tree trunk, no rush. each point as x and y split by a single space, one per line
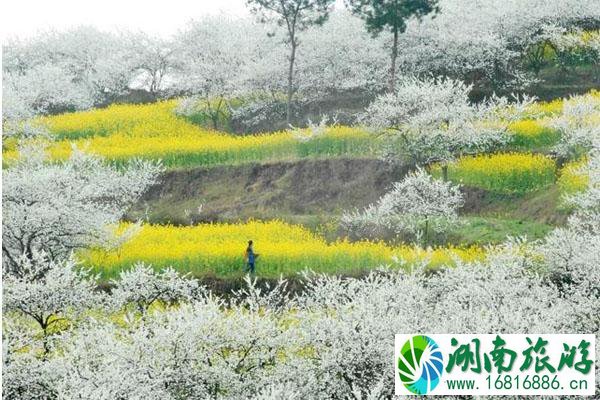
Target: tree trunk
215 115
392 77
290 83
45 342
445 172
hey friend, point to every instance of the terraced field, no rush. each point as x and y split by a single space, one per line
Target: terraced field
507 182
154 131
122 132
217 250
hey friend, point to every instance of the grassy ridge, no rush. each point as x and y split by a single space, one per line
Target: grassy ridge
153 131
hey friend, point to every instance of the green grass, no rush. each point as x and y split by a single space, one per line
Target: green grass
542 206
504 173
490 230
532 135
320 149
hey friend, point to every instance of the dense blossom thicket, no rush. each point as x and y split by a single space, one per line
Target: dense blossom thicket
58 208
416 205
332 341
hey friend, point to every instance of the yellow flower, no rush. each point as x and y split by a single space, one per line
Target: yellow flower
533 132
571 179
218 249
504 172
153 131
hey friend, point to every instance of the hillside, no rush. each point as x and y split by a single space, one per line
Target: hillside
308 179
317 192
279 189
267 204
311 179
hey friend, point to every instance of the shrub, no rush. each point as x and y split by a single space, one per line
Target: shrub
256 115
207 113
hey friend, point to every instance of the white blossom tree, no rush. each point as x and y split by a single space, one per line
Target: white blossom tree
155 59
96 63
142 287
43 88
579 130
61 207
25 374
197 351
571 47
588 200
348 61
432 120
48 292
417 204
295 16
486 45
391 16
99 61
213 53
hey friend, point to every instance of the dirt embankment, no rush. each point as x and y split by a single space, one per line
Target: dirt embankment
305 187
306 191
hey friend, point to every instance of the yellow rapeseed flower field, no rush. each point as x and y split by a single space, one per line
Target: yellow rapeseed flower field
546 108
218 250
533 133
154 131
503 173
535 130
541 109
571 178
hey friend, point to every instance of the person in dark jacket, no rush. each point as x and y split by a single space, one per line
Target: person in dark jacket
250 257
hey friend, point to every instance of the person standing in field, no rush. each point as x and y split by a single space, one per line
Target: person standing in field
250 257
